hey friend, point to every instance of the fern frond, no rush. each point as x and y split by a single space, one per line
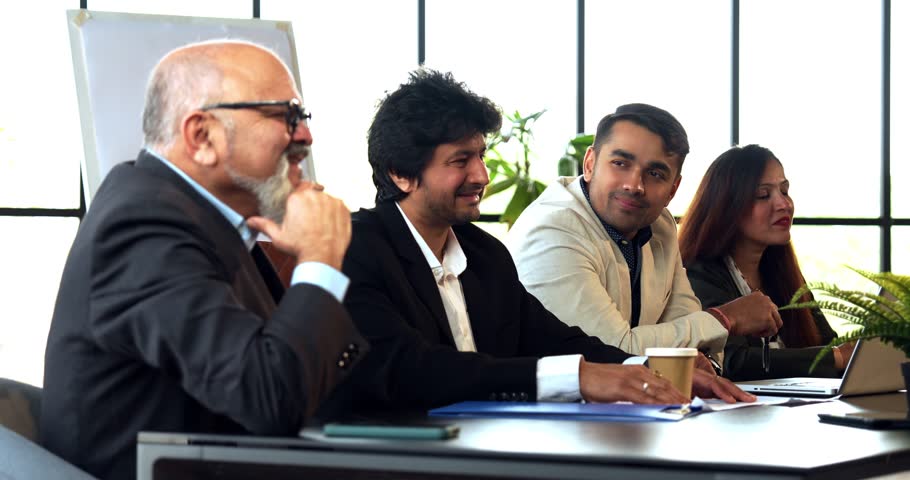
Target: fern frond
878 316
852 313
878 305
891 330
898 285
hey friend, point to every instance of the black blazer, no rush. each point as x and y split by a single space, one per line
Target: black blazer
714 286
413 363
165 321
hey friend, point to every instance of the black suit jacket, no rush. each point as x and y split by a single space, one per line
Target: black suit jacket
413 363
714 286
165 321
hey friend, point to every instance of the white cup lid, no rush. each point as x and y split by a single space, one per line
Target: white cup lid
670 352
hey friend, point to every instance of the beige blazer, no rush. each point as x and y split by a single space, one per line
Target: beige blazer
566 259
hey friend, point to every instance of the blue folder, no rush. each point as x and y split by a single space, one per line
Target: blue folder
598 412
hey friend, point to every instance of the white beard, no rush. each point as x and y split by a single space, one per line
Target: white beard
271 193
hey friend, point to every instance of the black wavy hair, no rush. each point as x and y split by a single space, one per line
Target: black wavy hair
429 110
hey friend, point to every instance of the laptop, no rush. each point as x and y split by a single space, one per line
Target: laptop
874 367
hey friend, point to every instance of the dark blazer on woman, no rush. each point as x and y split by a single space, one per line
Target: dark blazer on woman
713 285
413 363
165 321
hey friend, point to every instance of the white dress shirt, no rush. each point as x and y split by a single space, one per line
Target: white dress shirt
557 376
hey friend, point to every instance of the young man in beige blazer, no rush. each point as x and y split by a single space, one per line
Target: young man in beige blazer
600 251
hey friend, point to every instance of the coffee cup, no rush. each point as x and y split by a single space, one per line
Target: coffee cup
675 364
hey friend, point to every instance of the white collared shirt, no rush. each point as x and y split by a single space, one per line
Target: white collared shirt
446 274
557 376
314 273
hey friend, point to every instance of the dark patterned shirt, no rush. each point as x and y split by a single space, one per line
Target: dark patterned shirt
631 251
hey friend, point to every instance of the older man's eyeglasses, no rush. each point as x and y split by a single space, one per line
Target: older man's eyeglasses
294 115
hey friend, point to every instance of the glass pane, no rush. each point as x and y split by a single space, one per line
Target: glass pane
673 55
900 109
347 61
31 274
40 141
900 250
811 92
823 252
522 55
195 8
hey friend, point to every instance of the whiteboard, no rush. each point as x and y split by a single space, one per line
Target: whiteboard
113 55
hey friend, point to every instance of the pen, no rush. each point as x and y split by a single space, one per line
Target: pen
766 354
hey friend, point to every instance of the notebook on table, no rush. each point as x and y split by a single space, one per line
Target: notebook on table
874 367
601 412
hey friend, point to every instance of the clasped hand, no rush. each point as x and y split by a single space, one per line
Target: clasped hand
316 226
753 315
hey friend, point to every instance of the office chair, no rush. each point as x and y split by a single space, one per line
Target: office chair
21 457
20 407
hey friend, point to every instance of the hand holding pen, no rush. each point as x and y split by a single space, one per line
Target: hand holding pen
753 315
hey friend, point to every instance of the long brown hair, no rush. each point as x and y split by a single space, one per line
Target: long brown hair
709 231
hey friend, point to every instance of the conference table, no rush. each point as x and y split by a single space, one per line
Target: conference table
747 443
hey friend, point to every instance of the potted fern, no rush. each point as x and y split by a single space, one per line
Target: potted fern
505 174
875 315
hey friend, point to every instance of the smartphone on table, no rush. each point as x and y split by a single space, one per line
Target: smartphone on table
872 420
403 431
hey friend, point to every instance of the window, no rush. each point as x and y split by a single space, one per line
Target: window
521 55
670 54
900 116
32 252
40 140
40 151
900 244
40 155
812 95
824 252
348 59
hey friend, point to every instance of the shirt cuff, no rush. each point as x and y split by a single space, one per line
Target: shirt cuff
638 360
557 379
322 275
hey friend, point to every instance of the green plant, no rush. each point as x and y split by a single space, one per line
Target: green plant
505 174
571 162
875 315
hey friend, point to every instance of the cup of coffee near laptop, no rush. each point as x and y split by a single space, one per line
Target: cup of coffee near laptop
675 364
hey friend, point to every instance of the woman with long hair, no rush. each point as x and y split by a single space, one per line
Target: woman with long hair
735 240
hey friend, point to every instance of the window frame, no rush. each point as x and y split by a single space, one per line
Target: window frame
885 221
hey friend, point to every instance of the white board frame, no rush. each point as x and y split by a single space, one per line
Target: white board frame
113 55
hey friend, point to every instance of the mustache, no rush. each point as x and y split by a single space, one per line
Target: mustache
297 149
472 189
634 199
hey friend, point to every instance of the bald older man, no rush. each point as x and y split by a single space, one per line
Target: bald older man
169 317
